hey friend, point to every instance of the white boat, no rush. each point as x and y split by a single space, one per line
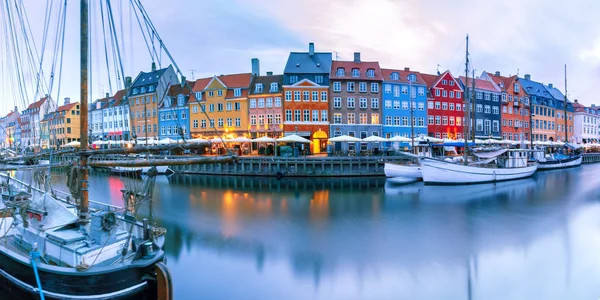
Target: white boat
496 166
409 171
163 170
43 162
126 171
559 163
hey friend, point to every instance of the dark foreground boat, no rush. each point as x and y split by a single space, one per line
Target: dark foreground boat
560 162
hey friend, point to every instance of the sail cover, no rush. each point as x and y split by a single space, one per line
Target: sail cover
490 154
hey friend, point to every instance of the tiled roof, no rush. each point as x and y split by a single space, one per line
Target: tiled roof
535 88
236 80
480 84
67 106
579 107
144 79
403 76
266 82
38 103
429 79
175 91
362 66
556 93
201 84
304 63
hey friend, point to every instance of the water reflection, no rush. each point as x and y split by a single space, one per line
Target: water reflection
353 238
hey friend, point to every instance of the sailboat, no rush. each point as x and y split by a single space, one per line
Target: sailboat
486 166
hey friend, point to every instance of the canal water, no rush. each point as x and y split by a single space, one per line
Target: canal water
364 238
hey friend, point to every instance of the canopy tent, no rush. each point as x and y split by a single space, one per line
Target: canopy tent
197 141
219 140
99 142
263 139
399 138
375 139
490 154
72 144
344 138
166 141
293 139
241 139
572 146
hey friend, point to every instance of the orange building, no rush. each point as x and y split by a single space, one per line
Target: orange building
515 107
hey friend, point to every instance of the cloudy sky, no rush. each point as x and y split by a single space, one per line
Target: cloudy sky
219 37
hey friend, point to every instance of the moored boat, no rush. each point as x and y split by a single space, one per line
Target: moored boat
409 171
126 171
560 162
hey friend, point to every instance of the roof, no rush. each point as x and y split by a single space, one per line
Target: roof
362 66
429 79
144 79
535 88
67 106
403 76
304 63
579 107
266 82
480 84
175 91
201 84
38 103
556 93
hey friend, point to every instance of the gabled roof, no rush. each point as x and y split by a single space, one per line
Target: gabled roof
362 66
429 79
304 63
556 93
403 76
144 79
579 107
480 84
236 80
38 103
67 106
201 84
266 82
447 72
535 88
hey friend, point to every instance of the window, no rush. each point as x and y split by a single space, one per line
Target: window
211 107
404 90
293 79
297 115
337 102
220 106
288 96
458 121
374 103
388 120
394 76
479 125
324 115
323 96
362 118
444 120
516 87
341 72
337 86
396 104
229 122
479 108
363 102
355 72
421 122
396 91
362 87
444 93
486 96
277 101
184 115
487 109
438 120
297 96
350 103
451 82
253 120
429 104
261 103
220 93
404 121
211 93
421 106
277 119
228 106
444 82
374 87
451 106
438 105
319 79
404 105
220 122
495 126
487 127
430 120
421 91
451 120
495 110
337 118
350 86
437 92
374 118
306 115
305 96
237 106
444 105
315 115
387 88
451 94
351 119
315 96
261 119
288 115
370 73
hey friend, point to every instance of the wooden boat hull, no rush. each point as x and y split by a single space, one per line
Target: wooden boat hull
440 172
403 171
560 163
134 281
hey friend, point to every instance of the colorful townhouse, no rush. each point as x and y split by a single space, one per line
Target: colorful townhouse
30 119
265 109
355 90
585 123
146 92
564 126
445 107
115 122
63 124
400 89
485 94
174 113
219 106
96 118
7 132
306 88
543 109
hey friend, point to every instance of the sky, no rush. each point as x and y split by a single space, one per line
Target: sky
209 38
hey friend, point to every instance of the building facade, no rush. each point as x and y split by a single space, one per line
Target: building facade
219 106
96 118
355 106
306 105
30 119
63 124
146 92
585 123
174 113
563 114
8 125
445 106
115 122
265 109
543 108
400 89
486 97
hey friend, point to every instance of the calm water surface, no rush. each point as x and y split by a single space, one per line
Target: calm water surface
364 238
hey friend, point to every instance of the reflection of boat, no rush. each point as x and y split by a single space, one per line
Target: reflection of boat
162 170
501 165
126 171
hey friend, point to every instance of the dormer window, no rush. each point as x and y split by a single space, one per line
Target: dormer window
395 76
180 100
198 95
135 91
412 78
274 87
341 72
143 89
516 87
237 92
355 72
151 88
370 73
168 101
258 88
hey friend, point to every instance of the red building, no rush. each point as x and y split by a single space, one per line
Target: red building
445 107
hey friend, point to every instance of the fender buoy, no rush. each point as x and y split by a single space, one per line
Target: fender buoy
279 175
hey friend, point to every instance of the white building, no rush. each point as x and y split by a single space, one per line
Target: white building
95 118
30 119
586 122
115 118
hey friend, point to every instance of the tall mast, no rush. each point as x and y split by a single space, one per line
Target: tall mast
412 122
473 100
83 125
466 111
565 114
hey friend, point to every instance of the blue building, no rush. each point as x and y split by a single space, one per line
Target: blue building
487 106
399 86
173 112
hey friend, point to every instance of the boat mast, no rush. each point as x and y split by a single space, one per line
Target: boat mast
83 125
466 111
565 115
473 104
412 121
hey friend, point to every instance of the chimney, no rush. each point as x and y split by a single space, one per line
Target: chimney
16 109
153 66
255 67
107 95
406 69
550 85
577 101
527 77
357 57
269 73
311 48
68 100
127 82
497 73
183 81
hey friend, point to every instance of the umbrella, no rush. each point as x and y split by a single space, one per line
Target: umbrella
264 139
197 141
399 138
293 138
165 141
100 142
219 140
73 144
344 138
374 138
240 140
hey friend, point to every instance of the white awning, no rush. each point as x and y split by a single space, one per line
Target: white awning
491 154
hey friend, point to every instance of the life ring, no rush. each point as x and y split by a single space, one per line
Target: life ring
109 221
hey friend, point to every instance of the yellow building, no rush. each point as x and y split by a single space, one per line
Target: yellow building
63 125
220 105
